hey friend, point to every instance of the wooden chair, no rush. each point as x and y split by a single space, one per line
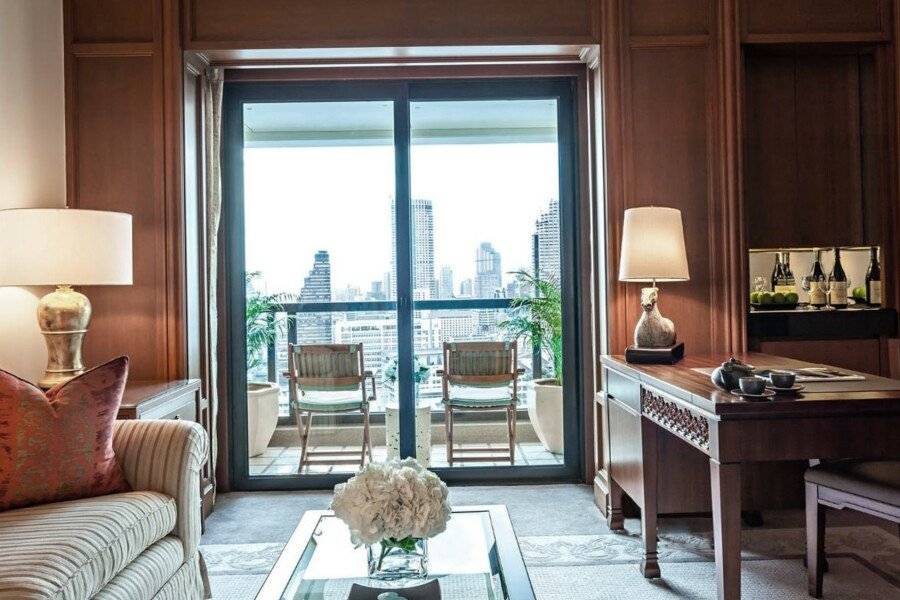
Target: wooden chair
328 380
480 377
872 487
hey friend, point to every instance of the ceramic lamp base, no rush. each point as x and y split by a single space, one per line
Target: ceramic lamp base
655 356
63 316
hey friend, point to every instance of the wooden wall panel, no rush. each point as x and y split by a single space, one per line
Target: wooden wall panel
805 181
112 21
859 355
669 166
815 20
124 76
669 17
115 99
350 23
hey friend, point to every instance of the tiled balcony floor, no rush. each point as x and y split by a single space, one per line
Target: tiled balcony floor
279 460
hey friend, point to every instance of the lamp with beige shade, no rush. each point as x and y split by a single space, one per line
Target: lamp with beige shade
652 251
64 247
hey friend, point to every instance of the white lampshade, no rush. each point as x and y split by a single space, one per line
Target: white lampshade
653 245
55 246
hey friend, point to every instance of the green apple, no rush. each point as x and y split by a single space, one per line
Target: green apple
765 298
778 298
791 298
754 297
859 292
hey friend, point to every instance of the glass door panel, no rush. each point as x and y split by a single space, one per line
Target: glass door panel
485 215
319 188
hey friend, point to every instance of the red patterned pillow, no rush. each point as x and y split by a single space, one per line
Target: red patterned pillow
58 446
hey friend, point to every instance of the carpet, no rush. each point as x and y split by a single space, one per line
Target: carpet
864 565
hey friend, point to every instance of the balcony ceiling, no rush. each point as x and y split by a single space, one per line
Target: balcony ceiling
303 124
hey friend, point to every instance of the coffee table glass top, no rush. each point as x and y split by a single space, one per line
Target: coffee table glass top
476 558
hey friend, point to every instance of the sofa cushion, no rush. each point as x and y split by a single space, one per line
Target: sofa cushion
146 575
58 446
70 550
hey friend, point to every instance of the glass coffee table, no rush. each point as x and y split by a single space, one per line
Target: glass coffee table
476 558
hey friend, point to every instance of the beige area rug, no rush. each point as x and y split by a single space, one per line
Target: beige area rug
864 565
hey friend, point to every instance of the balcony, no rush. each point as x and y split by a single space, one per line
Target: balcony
373 324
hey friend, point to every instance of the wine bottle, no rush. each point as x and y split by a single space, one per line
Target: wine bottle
776 272
838 283
787 284
817 298
873 279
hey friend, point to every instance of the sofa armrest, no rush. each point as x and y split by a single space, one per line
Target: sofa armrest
166 457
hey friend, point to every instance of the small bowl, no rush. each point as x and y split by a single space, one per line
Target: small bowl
783 379
752 385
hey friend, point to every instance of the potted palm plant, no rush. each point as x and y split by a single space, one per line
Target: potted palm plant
538 319
262 396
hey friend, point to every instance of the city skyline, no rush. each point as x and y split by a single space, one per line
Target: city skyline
299 200
489 273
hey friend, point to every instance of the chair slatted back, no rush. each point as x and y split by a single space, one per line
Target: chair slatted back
326 367
485 364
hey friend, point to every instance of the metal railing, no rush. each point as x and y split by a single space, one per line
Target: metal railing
295 309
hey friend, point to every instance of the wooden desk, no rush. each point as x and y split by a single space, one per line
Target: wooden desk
647 402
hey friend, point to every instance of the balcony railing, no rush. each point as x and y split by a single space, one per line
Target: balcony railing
296 310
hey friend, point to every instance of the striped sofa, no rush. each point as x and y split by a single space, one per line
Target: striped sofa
131 546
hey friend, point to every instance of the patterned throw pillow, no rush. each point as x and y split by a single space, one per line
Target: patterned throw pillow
58 446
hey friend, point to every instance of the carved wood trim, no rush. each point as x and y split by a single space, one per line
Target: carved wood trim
672 417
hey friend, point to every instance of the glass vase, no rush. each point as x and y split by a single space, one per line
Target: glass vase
398 559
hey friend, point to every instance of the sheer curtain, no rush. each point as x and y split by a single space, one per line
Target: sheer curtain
212 115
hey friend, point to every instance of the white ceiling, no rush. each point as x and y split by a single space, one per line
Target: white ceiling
371 122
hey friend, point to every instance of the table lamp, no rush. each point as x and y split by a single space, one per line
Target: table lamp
64 247
653 250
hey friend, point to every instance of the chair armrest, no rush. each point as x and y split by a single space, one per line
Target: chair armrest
166 457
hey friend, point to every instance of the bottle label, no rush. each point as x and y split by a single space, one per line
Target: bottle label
785 289
817 293
874 292
838 293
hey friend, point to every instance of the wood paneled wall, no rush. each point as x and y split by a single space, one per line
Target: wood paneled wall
238 24
671 140
123 137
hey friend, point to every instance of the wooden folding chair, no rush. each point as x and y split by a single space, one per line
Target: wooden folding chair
480 377
329 380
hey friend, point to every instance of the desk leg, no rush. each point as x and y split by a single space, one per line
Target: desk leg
726 508
614 517
649 431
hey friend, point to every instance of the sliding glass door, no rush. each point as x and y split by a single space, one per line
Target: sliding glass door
426 226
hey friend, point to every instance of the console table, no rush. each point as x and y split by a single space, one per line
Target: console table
645 403
176 399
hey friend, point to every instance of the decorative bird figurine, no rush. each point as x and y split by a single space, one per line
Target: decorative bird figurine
653 330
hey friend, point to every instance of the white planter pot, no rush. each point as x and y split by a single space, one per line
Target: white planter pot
262 415
546 414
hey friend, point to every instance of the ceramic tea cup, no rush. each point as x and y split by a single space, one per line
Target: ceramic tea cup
782 379
752 385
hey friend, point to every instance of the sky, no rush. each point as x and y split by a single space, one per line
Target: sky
302 199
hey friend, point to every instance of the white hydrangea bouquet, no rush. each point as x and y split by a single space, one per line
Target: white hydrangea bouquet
392 508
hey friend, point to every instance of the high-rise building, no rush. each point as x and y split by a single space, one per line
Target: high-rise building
376 291
445 283
466 288
422 220
547 229
315 328
488 274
